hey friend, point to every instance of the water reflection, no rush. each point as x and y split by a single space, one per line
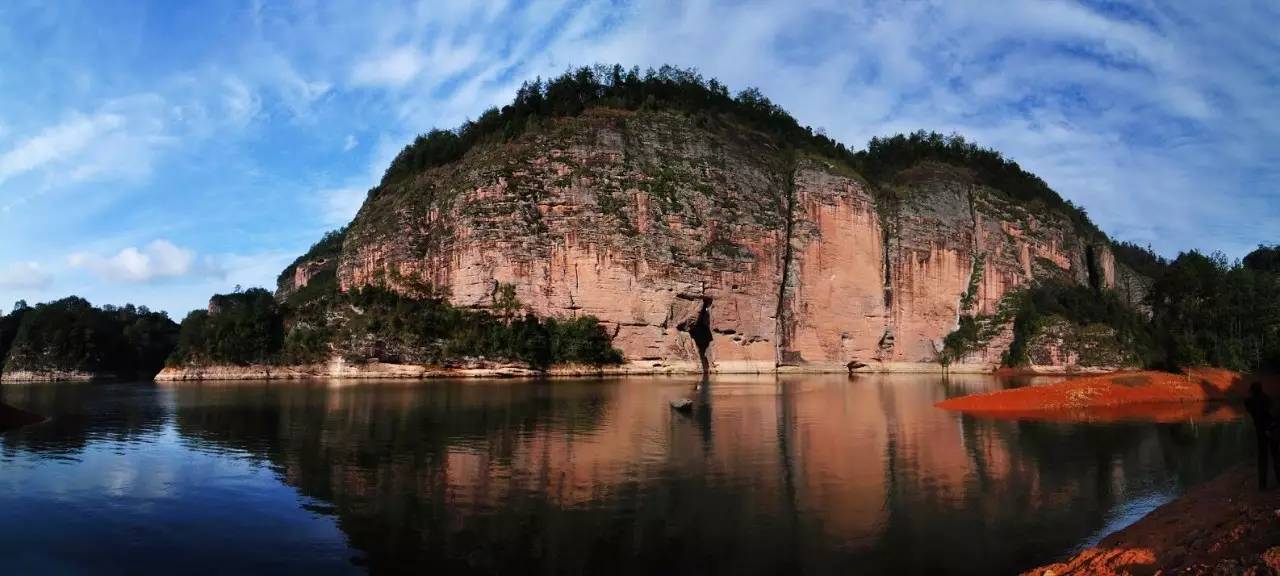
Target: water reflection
85 413
796 474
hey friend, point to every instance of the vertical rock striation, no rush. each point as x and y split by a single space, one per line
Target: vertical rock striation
652 220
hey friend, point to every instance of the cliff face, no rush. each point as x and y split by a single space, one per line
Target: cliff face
642 219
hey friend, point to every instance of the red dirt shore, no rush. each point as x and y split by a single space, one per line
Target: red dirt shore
1118 395
1226 526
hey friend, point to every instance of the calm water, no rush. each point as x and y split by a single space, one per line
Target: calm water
797 475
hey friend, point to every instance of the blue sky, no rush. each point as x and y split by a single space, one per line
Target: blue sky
157 152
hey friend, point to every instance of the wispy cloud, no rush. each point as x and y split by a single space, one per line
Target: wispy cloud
393 68
58 143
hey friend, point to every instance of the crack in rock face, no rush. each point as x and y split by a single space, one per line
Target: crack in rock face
699 328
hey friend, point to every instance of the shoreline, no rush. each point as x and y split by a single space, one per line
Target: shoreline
338 368
1224 526
48 376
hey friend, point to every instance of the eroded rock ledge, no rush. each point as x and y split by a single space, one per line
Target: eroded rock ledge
15 376
382 370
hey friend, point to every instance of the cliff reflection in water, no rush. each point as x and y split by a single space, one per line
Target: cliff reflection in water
804 473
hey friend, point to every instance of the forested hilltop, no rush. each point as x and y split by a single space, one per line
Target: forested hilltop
70 339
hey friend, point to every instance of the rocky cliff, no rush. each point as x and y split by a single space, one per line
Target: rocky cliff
647 219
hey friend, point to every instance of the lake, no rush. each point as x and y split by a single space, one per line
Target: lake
794 474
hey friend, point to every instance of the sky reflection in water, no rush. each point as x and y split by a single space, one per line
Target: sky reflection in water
809 474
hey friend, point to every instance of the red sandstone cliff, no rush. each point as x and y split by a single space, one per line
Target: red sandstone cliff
639 218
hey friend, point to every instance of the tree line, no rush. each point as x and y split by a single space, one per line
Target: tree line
374 323
886 157
73 335
1207 310
1202 310
666 88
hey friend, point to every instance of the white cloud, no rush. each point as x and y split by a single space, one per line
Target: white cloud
395 67
58 143
120 141
240 102
161 259
178 298
350 143
341 204
24 276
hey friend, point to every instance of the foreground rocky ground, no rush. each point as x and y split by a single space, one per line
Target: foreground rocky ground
1227 526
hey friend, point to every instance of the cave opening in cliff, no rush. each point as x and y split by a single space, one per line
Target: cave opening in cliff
1091 267
700 331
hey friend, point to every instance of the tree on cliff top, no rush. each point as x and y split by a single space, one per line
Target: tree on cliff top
668 88
673 88
238 328
1141 260
886 157
329 246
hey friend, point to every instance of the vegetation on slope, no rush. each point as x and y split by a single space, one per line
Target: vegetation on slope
1082 308
1204 311
436 331
685 90
238 328
886 157
374 323
328 247
668 88
1141 260
1208 311
73 335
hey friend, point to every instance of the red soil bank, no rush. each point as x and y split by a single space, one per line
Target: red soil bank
1227 526
1105 395
1161 412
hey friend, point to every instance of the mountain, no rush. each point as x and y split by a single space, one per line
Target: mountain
675 220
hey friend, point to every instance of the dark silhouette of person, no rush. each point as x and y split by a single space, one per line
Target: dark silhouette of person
1259 406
